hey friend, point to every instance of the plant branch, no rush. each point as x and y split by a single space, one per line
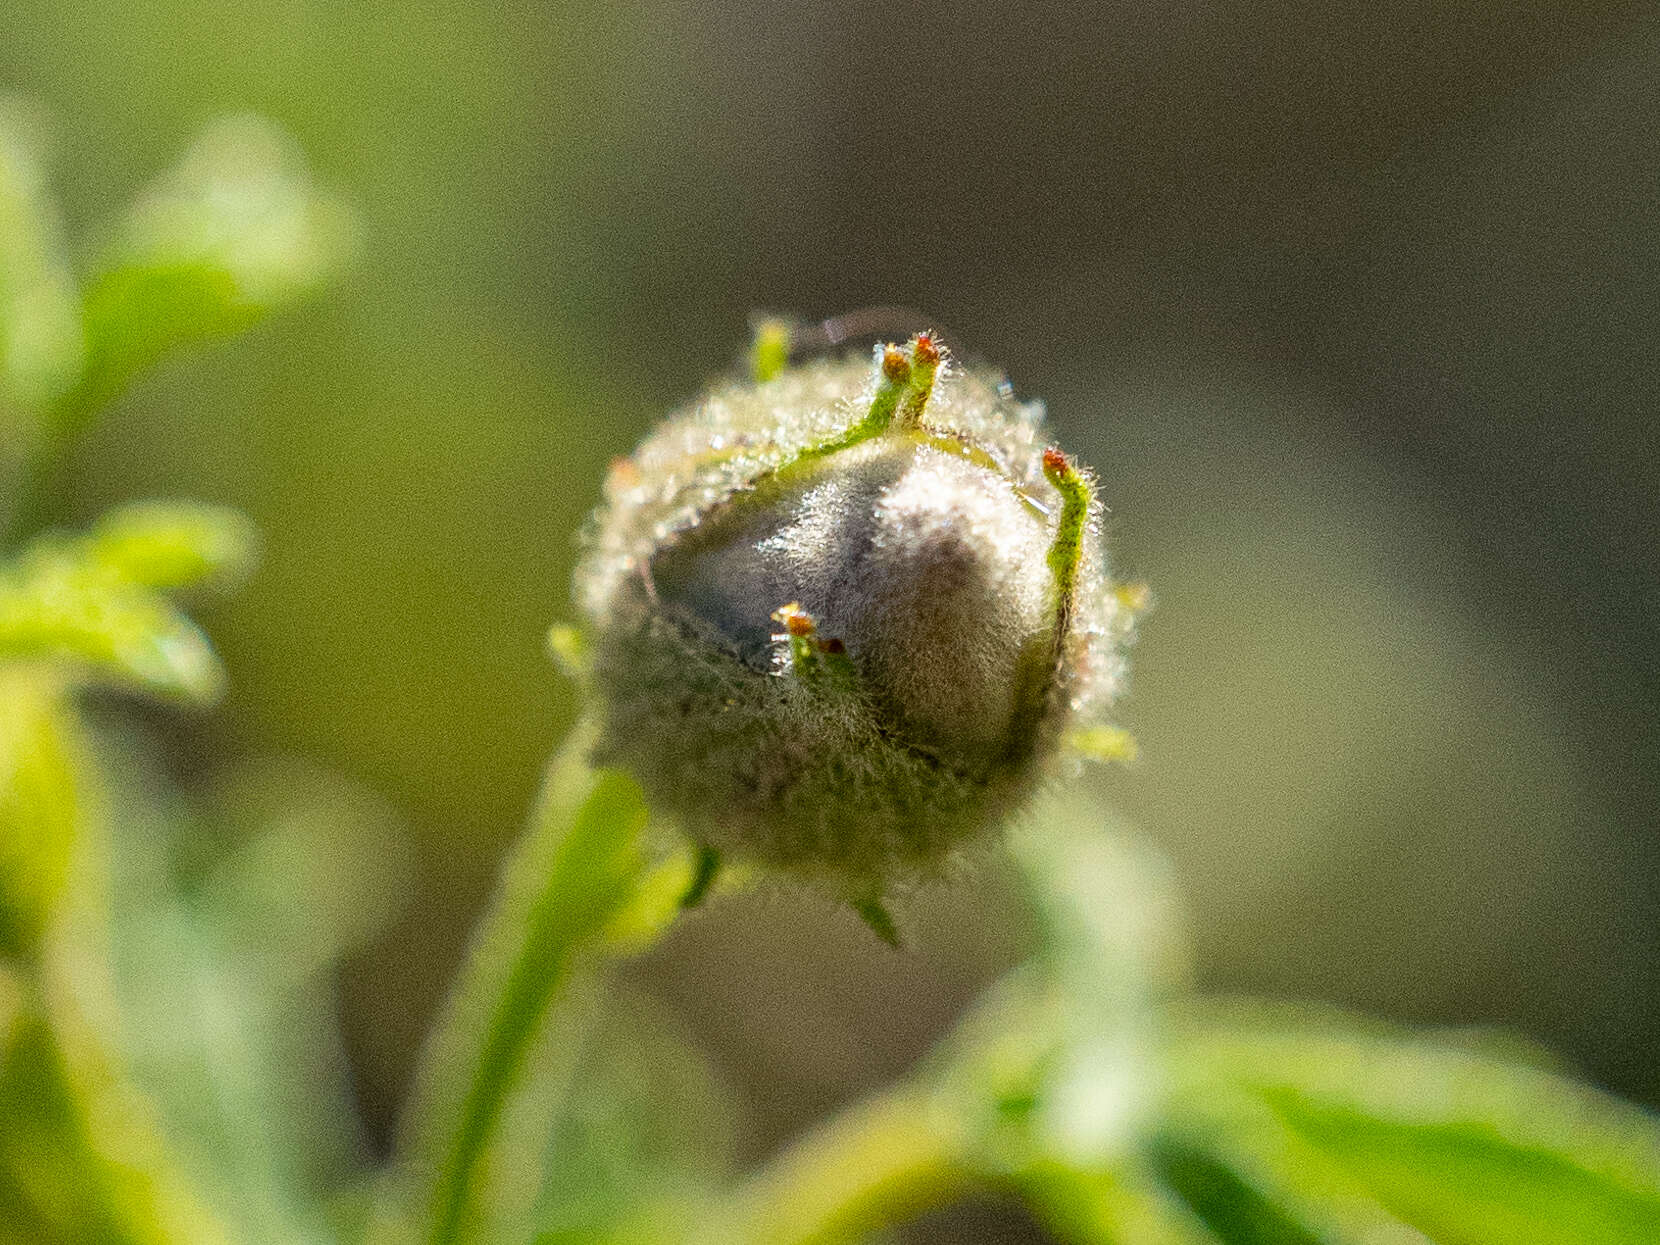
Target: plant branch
577 880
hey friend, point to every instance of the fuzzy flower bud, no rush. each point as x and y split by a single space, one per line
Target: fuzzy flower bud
841 617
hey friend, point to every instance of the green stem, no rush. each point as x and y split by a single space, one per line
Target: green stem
1112 1204
705 868
880 1163
578 875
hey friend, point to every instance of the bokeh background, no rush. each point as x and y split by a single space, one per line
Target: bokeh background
1355 308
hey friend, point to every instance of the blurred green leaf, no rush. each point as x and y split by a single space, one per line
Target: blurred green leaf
1465 1148
38 804
49 1174
619 1110
1123 1115
222 972
236 230
1110 1206
880 1163
1051 1081
91 605
79 1159
59 606
1058 1062
1249 1183
174 544
136 313
79 1162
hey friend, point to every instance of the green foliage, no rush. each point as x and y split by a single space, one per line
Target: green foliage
174 545
228 918
77 1164
169 1070
184 1084
38 805
80 1157
1279 1110
1127 1112
158 1060
92 607
233 232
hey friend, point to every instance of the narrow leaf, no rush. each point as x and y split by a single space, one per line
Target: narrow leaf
236 230
174 544
55 606
1463 1146
38 806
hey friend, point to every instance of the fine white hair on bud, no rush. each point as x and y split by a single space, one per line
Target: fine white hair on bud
842 617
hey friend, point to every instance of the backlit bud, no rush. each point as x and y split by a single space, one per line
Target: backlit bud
840 621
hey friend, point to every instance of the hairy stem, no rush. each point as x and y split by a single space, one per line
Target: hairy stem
576 881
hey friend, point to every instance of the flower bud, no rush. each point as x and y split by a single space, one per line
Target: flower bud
840 621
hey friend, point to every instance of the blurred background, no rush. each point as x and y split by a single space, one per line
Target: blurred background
1353 307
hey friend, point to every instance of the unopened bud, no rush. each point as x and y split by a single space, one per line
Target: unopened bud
840 623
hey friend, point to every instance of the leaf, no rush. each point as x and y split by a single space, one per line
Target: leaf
58 606
1056 1066
1248 1183
39 805
79 1164
1123 1205
235 231
222 973
1340 1128
91 605
1123 1115
1051 1080
631 1114
174 544
79 1158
